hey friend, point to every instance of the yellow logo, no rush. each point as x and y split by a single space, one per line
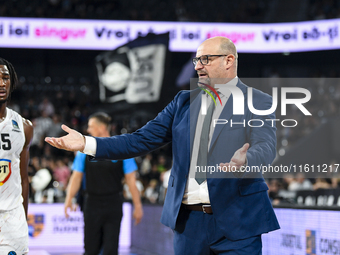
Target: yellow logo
5 170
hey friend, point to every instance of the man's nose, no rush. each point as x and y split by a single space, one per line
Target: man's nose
2 82
198 66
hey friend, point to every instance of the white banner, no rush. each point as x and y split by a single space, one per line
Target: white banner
184 36
50 230
304 232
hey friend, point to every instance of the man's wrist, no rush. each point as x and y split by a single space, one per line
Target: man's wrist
137 205
90 147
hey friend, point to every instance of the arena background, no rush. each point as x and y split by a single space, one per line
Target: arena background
60 85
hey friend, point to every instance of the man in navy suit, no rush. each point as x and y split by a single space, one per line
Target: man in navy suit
219 212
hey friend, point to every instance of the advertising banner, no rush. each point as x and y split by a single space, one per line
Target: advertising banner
304 232
184 36
50 230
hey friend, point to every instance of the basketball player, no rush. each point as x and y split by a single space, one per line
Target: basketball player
15 137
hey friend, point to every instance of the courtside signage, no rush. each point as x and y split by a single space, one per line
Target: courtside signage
184 36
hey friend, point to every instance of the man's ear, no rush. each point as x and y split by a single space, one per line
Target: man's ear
229 60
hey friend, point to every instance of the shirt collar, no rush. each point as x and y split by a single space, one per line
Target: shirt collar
224 91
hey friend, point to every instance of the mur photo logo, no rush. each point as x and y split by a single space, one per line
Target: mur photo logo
238 103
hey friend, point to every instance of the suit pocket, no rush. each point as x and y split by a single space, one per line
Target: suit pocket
253 188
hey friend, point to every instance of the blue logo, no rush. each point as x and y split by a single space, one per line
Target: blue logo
15 124
12 253
16 127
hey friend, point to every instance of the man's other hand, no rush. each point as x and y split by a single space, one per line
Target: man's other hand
238 160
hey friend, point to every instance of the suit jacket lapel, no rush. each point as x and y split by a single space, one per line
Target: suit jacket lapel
227 113
195 106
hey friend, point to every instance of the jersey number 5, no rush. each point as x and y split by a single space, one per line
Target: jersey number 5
5 142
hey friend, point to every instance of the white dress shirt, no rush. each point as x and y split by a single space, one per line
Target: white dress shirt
90 146
194 193
198 193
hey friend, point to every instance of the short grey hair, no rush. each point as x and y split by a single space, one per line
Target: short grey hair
228 47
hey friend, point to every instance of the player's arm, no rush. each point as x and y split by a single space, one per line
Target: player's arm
130 179
72 189
24 159
74 182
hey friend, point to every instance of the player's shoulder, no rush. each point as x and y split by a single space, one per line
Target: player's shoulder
28 128
27 122
14 114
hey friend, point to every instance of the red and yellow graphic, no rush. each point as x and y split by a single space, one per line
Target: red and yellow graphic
5 170
211 89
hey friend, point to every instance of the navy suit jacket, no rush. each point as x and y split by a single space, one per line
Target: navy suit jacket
240 204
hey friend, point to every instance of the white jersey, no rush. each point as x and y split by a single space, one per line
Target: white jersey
12 140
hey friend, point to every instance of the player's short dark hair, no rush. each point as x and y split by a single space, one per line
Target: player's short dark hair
12 73
102 117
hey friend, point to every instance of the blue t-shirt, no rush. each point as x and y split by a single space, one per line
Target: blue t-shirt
129 165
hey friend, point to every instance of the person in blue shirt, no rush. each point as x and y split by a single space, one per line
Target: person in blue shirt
102 183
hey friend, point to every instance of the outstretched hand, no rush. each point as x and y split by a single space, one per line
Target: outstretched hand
238 159
73 141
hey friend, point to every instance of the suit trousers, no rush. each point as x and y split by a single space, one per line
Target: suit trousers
198 233
102 217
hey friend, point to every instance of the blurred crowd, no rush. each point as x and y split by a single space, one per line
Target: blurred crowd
323 9
179 10
71 101
323 105
292 189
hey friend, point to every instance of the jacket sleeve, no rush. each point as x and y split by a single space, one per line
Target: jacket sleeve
262 139
155 134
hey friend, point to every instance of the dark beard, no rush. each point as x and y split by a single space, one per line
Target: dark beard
4 101
204 80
